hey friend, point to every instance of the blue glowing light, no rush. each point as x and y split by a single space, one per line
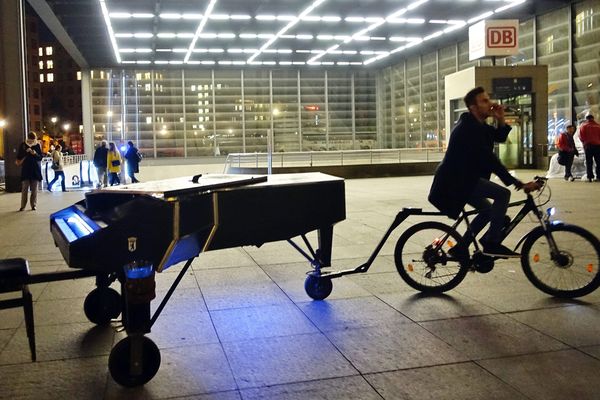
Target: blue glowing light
551 211
123 148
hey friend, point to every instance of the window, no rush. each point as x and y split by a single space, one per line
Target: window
50 77
41 64
36 109
42 78
78 75
49 64
40 51
48 51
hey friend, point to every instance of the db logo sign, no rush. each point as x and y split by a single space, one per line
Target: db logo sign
501 37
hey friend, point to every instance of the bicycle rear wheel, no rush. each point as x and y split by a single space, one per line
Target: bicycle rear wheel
421 259
574 272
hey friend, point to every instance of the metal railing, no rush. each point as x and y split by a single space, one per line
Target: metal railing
334 158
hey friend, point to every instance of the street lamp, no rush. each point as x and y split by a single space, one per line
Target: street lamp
53 120
2 123
66 127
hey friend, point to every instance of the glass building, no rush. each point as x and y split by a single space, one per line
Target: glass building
216 111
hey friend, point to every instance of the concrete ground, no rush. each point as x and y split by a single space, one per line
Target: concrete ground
240 325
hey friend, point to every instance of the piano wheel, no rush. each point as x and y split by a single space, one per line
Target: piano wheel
318 287
101 305
134 361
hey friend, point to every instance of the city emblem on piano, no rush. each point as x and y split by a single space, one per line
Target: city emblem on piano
132 241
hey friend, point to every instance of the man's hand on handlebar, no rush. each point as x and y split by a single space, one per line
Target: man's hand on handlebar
531 186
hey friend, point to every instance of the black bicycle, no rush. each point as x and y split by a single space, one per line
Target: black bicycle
559 259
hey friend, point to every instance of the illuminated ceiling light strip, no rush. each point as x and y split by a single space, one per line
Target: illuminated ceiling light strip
111 32
192 16
511 5
240 16
480 17
290 24
170 16
120 15
203 21
375 25
142 15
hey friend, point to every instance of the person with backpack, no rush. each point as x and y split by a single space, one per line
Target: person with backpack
100 158
57 167
133 157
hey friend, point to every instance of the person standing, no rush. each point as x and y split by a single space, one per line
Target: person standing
567 151
58 167
589 133
29 157
113 162
132 156
463 176
100 158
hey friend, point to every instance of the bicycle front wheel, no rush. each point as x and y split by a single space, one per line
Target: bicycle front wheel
421 258
573 271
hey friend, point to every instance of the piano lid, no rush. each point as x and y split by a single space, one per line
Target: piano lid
184 185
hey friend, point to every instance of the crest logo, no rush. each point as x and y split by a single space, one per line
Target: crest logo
132 244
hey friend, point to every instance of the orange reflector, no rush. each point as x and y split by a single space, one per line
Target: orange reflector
410 268
436 241
450 243
536 258
590 268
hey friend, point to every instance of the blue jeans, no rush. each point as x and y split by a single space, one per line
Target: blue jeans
490 212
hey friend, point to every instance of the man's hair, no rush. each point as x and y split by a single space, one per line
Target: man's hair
570 126
31 136
130 143
470 98
589 117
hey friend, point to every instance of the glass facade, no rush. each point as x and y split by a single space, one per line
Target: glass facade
203 112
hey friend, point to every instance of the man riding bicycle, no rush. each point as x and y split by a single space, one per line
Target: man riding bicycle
463 176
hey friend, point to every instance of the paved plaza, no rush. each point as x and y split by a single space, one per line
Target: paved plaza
240 325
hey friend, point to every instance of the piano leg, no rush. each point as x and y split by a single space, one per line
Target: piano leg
136 359
325 236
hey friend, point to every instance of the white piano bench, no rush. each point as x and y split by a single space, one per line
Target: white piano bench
14 277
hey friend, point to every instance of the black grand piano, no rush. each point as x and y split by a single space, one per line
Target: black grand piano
128 233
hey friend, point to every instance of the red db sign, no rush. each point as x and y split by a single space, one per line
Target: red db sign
501 37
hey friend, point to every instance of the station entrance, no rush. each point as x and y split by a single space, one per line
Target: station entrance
523 91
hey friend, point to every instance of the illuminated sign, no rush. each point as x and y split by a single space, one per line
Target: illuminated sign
498 37
312 107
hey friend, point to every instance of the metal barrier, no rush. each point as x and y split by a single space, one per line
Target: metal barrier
334 158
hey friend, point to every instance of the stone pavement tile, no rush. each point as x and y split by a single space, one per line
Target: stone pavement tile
503 293
5 336
57 342
419 307
69 289
352 387
250 295
176 330
165 279
230 395
229 277
12 318
182 301
575 325
362 312
184 371
272 361
443 382
381 283
560 375
386 348
490 336
260 322
593 351
82 378
227 258
55 312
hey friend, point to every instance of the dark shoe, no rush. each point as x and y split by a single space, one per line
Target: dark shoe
572 179
32 208
459 253
22 209
498 250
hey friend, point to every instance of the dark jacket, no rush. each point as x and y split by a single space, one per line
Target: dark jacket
100 157
133 159
30 166
470 156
